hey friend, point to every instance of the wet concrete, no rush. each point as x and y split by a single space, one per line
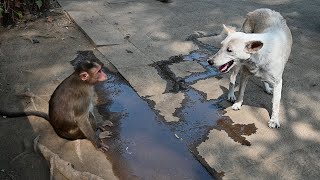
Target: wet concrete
142 146
201 57
176 84
197 114
236 131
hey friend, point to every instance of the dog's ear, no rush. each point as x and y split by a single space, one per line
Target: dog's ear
228 30
253 46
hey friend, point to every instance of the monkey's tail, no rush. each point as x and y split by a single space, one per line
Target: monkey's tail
22 113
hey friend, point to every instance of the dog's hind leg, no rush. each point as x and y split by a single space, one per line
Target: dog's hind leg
274 121
267 88
233 77
245 74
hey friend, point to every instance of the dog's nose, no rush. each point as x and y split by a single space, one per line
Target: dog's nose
210 62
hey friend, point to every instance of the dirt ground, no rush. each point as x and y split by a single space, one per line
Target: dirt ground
30 71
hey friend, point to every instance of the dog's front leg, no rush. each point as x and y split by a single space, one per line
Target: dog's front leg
245 74
233 77
274 121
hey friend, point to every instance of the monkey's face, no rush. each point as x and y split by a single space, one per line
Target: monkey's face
99 74
93 75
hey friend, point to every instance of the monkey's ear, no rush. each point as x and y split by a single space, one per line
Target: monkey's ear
84 76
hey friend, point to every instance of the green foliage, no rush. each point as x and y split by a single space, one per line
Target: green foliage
19 14
1 10
12 10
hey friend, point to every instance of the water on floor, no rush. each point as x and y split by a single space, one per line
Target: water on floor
142 146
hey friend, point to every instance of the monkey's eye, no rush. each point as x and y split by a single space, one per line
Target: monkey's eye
229 50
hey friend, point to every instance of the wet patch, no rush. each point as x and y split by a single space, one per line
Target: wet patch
201 57
236 131
176 84
197 115
142 146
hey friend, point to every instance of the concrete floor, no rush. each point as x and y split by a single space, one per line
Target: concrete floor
135 35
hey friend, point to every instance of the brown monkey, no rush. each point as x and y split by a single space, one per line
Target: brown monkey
70 106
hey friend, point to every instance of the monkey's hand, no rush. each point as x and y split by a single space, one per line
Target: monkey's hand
105 134
105 124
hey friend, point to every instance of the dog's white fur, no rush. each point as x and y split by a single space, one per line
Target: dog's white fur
261 49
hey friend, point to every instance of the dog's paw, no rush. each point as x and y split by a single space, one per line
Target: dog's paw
231 97
269 90
237 106
273 124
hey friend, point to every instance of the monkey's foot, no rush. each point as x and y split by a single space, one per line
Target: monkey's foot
104 148
105 124
105 134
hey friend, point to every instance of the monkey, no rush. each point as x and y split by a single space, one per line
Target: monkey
71 104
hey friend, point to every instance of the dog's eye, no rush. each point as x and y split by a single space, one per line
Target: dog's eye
229 50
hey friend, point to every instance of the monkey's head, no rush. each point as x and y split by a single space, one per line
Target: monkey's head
88 67
91 72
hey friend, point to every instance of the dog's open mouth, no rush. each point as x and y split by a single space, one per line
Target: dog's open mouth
226 67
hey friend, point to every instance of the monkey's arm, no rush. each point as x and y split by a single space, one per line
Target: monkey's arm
92 120
84 123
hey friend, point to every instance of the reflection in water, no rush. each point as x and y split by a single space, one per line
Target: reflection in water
142 147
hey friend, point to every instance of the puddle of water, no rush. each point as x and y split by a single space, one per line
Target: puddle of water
175 84
142 147
196 55
201 115
201 57
197 115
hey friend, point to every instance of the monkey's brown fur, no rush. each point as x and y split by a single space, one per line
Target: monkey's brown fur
70 106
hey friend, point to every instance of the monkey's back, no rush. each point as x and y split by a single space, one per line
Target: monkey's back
68 103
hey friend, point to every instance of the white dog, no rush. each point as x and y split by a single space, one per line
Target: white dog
261 49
